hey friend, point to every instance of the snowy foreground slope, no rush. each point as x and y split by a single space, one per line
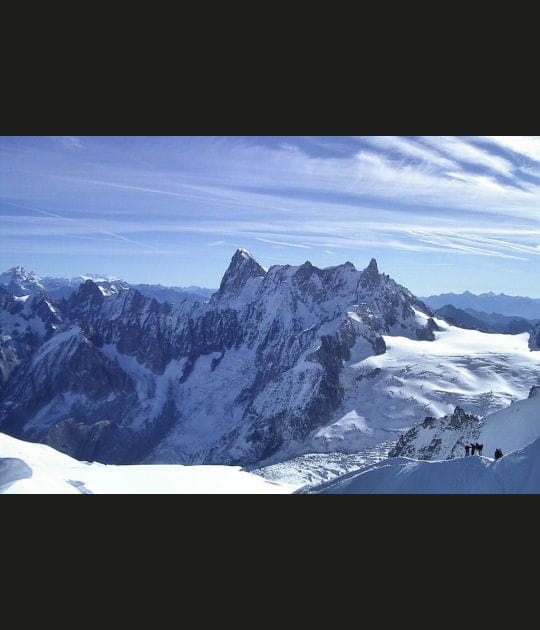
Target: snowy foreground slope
29 468
35 468
516 473
516 430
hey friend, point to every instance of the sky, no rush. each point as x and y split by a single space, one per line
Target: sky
438 213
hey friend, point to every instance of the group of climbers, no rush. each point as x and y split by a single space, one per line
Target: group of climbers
475 447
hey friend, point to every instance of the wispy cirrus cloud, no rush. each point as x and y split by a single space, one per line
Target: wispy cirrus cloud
70 142
61 225
477 244
462 151
528 146
426 195
267 240
410 149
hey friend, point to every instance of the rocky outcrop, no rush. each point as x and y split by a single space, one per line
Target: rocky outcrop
439 438
534 338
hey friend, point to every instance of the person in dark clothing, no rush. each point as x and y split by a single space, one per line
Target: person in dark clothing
467 449
498 453
479 448
473 446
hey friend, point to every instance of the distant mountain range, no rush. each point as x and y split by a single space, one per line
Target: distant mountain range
485 322
20 282
525 307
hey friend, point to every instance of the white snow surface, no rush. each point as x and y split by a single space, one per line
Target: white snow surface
389 393
512 428
516 473
313 469
516 430
53 472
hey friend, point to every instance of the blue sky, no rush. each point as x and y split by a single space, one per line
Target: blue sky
439 213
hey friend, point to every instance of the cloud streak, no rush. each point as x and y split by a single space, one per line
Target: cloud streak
266 240
528 146
426 195
462 151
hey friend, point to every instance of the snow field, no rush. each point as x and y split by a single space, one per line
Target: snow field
56 473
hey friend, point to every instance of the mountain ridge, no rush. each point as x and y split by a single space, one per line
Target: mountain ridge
490 303
282 360
18 281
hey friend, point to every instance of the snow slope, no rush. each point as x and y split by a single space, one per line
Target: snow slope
445 438
389 393
516 473
512 428
30 468
313 469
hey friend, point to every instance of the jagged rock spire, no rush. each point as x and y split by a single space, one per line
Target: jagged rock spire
242 267
370 275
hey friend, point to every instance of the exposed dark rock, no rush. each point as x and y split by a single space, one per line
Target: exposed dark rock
534 338
242 268
78 439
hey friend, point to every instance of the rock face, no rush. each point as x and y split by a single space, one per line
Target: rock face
442 438
534 338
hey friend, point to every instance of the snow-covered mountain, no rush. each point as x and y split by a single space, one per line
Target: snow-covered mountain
20 282
26 322
278 363
518 306
59 288
174 295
